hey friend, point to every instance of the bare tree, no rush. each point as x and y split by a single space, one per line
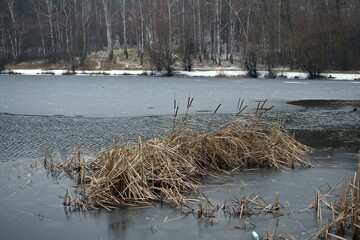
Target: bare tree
141 33
124 28
3 51
170 5
218 32
107 6
237 12
231 34
38 12
85 6
250 62
279 30
15 31
279 26
65 10
49 18
44 10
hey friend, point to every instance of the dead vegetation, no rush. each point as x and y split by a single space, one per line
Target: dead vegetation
167 169
345 210
341 202
237 207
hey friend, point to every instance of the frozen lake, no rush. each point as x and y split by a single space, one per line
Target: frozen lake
126 96
53 114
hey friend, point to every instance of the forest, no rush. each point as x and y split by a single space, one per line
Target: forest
312 35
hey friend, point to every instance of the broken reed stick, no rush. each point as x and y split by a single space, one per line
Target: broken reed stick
318 206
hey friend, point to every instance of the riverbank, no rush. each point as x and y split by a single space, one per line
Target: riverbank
220 73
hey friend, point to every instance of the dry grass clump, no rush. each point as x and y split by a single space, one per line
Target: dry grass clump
242 144
221 74
169 168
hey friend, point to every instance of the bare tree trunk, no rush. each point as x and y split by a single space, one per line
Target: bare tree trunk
279 29
152 29
170 23
51 29
13 51
141 34
236 13
291 43
217 32
76 32
231 35
85 17
199 31
37 9
20 42
108 22
170 5
14 35
194 35
183 27
59 37
248 24
154 26
3 36
66 11
329 21
124 29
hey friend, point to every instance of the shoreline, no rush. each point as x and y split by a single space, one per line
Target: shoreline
221 73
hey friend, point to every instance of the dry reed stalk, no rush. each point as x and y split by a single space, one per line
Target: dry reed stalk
345 211
52 166
356 192
240 108
206 210
247 206
318 205
272 236
67 198
282 236
168 168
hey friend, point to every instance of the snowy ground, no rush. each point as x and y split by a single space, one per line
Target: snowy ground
202 73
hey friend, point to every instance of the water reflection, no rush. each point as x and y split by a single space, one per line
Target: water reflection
118 229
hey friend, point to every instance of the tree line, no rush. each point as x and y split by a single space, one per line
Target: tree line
314 35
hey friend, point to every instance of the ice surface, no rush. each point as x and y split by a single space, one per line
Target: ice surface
129 96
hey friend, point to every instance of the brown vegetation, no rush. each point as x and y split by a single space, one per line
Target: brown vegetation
238 207
345 210
168 168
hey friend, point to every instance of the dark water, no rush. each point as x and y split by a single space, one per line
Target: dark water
333 122
31 205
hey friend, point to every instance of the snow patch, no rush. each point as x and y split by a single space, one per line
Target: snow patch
223 73
288 82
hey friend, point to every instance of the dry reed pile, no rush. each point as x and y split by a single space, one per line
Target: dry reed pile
169 168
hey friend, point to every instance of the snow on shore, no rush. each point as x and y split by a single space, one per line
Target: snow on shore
203 73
